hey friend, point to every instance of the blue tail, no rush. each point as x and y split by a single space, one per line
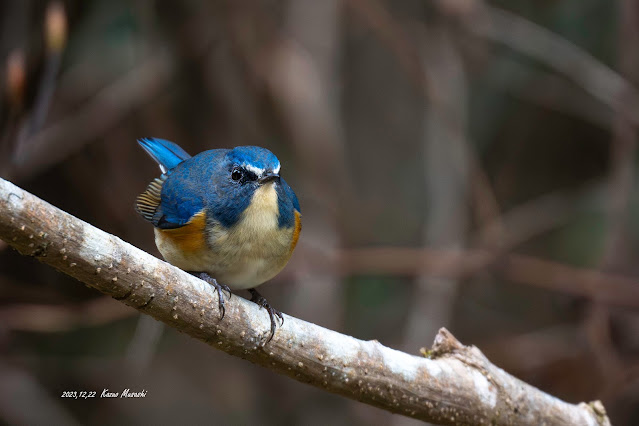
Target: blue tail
166 153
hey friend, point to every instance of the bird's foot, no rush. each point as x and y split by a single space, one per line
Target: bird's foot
258 299
219 287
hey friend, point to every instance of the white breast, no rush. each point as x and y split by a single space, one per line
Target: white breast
253 251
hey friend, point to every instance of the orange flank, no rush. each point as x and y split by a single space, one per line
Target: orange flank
296 231
190 237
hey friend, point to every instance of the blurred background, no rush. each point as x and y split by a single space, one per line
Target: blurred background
460 163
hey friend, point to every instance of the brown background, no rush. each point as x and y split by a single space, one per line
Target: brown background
415 133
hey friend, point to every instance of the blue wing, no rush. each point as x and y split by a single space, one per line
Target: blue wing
166 153
174 199
150 203
170 201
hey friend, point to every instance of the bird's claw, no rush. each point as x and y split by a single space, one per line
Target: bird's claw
258 299
218 287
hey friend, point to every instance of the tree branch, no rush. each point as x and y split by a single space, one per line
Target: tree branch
455 384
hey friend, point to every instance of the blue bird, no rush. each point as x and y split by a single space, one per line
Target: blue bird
224 214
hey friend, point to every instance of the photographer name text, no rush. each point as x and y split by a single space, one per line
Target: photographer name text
106 393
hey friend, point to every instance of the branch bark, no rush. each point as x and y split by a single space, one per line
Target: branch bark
454 384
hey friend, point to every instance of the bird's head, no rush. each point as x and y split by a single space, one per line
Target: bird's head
252 166
248 176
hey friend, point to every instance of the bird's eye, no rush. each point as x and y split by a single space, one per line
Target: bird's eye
236 175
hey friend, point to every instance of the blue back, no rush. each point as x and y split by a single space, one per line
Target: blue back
193 185
204 181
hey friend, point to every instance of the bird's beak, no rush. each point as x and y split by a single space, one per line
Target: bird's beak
268 177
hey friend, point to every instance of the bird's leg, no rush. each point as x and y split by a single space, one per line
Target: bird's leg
219 287
272 313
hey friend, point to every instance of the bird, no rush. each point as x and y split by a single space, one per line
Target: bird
223 215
